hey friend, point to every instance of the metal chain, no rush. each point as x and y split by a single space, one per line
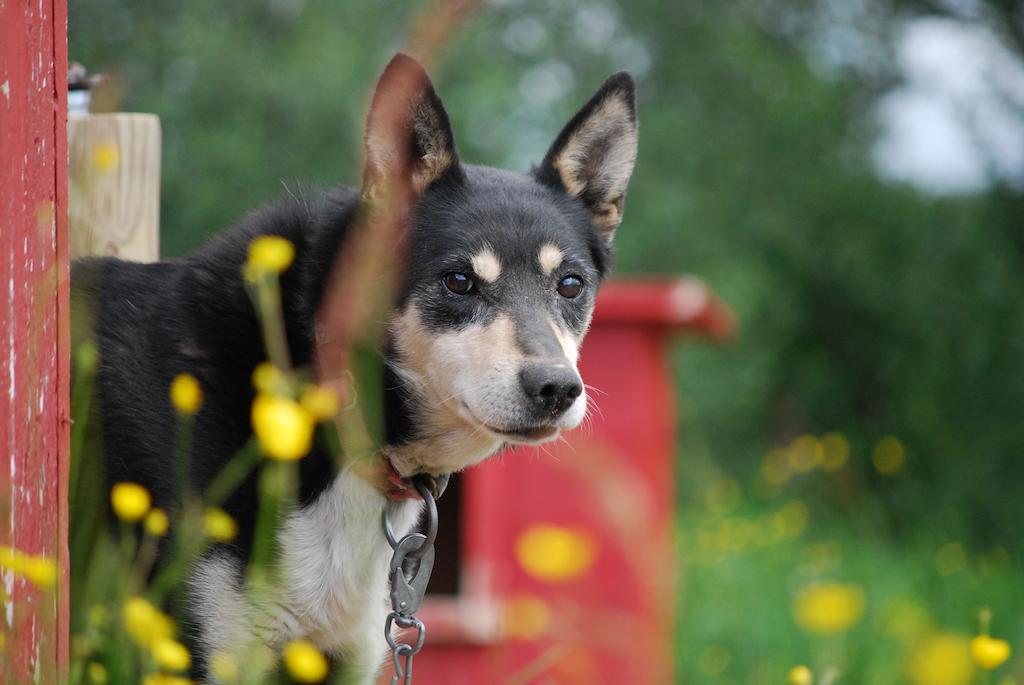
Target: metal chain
411 564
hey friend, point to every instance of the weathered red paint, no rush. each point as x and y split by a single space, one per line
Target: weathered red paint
34 332
614 483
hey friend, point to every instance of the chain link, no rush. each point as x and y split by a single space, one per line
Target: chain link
411 563
403 651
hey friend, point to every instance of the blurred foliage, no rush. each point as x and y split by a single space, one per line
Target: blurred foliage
866 307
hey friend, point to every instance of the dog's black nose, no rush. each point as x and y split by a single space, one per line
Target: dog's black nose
553 386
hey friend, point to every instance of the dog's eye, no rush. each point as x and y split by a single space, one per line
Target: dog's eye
458 283
570 286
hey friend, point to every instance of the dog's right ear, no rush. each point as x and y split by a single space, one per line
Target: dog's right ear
409 140
593 157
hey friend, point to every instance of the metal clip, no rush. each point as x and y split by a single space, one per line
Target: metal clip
409 575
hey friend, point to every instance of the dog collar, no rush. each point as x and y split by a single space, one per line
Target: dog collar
398 488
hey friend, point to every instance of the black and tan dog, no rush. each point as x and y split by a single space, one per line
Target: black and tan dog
482 349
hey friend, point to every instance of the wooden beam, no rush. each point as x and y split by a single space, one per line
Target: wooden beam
34 335
114 207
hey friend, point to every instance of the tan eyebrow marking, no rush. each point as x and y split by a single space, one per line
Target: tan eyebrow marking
550 257
486 265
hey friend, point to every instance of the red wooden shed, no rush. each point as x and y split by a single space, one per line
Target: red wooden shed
567 552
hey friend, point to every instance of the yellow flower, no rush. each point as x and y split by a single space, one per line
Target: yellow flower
304 662
989 652
130 501
97 673
889 456
283 427
186 394
106 157
170 654
156 523
526 617
41 571
836 450
805 453
219 525
269 379
320 401
829 607
268 254
224 667
144 622
553 553
800 675
942 659
38 570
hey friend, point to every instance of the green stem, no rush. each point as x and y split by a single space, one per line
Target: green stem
81 401
277 491
143 564
268 305
233 474
183 456
127 545
188 543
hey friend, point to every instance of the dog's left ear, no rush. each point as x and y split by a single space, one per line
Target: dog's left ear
593 157
408 137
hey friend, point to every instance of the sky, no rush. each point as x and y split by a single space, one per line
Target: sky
956 123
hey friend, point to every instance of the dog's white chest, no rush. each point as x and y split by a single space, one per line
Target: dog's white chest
334 563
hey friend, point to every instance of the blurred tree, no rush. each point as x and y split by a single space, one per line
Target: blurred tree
866 306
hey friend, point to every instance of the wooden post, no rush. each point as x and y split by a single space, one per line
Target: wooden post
34 334
114 208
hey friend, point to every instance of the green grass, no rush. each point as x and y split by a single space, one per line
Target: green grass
738 583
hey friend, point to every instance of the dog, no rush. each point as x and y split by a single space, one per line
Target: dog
496 296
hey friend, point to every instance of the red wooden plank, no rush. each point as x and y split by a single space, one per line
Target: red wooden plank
34 359
62 400
679 303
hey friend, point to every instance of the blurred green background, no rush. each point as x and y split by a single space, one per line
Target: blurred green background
847 174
